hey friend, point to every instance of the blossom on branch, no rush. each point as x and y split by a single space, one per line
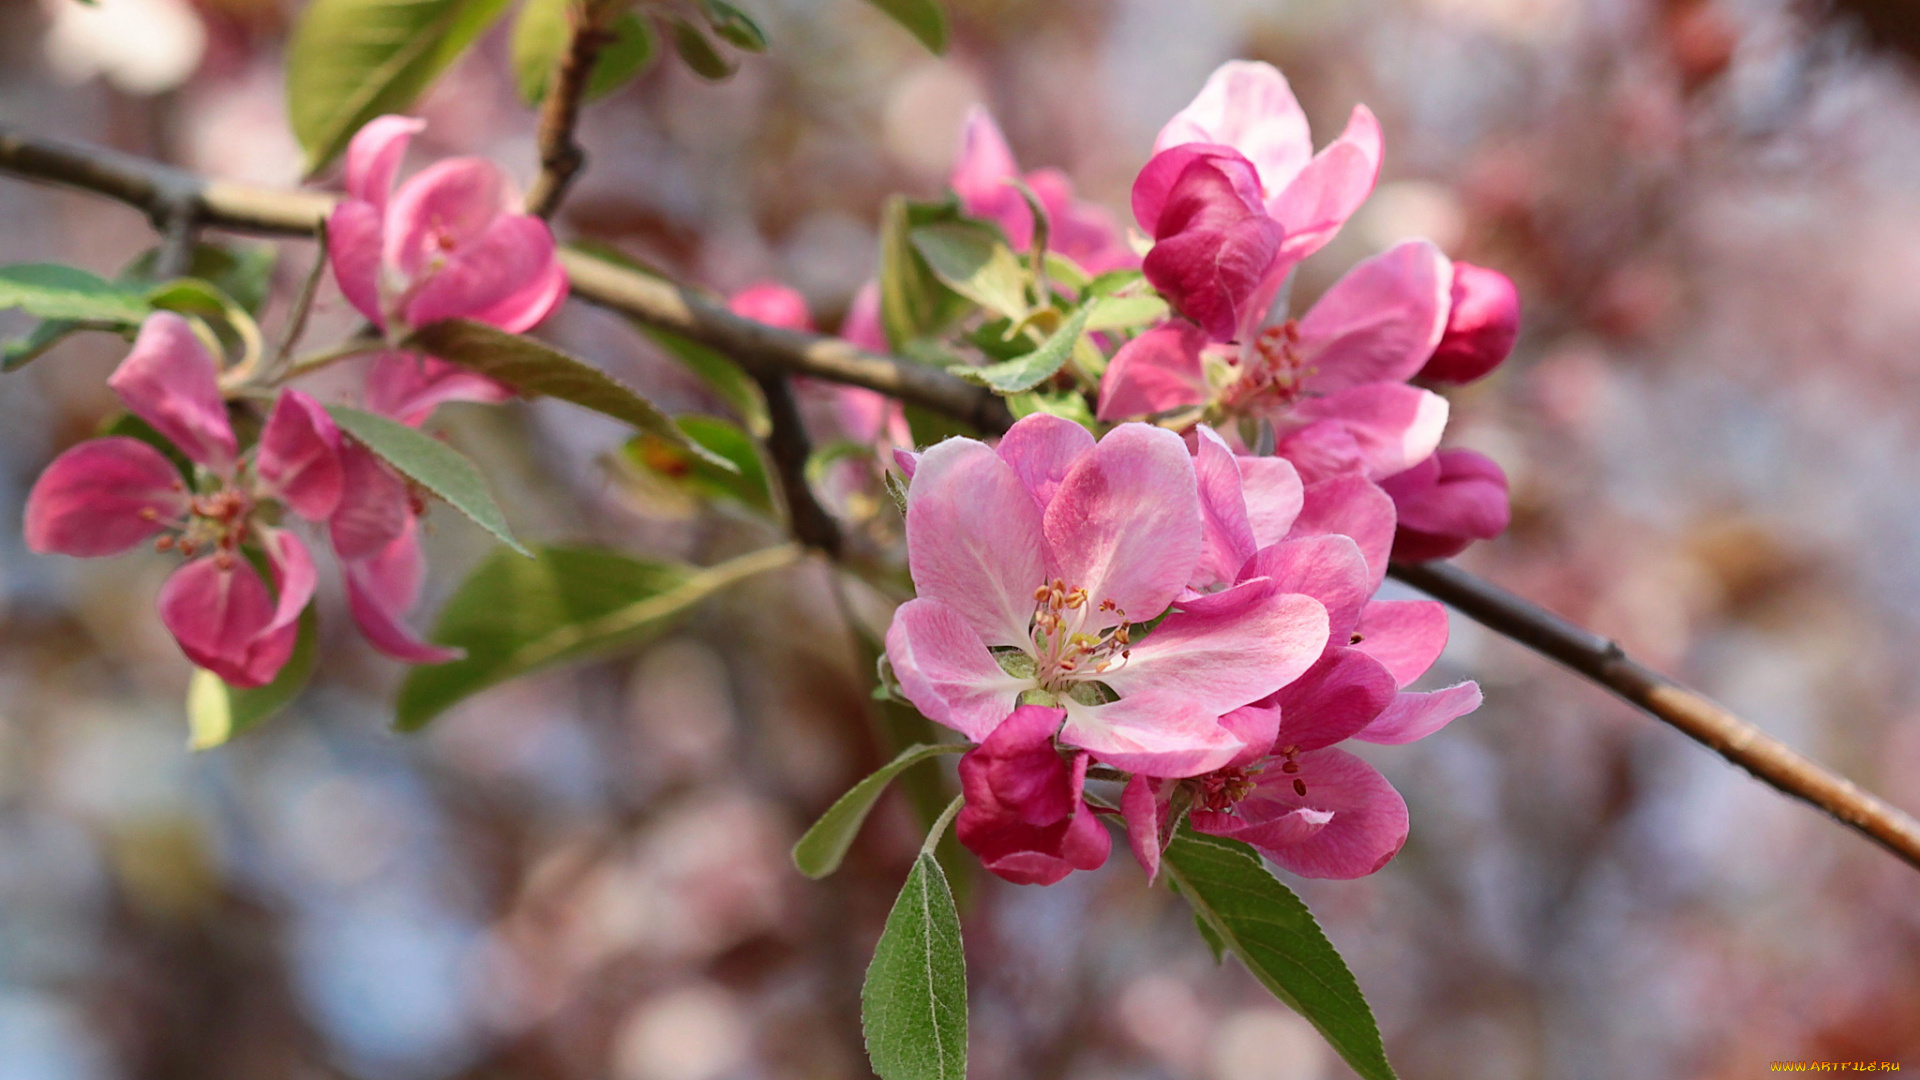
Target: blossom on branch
985 178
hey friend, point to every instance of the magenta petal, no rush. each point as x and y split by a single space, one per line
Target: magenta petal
1337 698
102 497
1257 726
526 307
1414 716
300 456
374 156
355 232
1329 568
1041 449
409 386
1249 106
1225 650
515 251
1265 826
1379 322
1156 734
220 616
1213 244
1125 523
381 588
1482 325
1226 534
1369 824
1274 495
947 672
374 507
443 208
173 383
1153 186
981 178
1355 507
1160 370
974 539
1406 636
1024 815
774 304
1330 188
1446 502
293 574
1384 429
907 462
1142 809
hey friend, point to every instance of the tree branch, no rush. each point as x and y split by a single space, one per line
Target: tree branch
767 351
561 156
787 445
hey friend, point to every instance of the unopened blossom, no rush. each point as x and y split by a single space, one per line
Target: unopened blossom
450 242
984 177
1024 816
108 495
1038 564
1483 322
1446 503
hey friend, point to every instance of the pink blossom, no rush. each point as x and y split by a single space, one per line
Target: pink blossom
1445 503
1024 815
408 386
1482 325
107 495
983 178
448 243
1035 564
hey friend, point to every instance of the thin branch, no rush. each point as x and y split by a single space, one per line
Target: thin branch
561 156
302 307
787 445
1697 717
765 350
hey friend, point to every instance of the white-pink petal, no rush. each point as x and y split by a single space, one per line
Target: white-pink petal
974 539
947 672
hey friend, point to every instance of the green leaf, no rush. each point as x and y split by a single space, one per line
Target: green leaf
1263 923
734 26
819 852
1069 404
208 302
1065 271
52 291
699 53
542 33
352 60
244 273
1214 944
1124 312
430 463
913 1006
973 260
745 483
1029 371
535 368
914 302
217 711
18 352
722 376
923 19
516 615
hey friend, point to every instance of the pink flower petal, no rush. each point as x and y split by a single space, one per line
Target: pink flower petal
381 588
1226 534
1406 636
445 207
1125 523
1378 323
1369 823
173 383
1226 650
1156 734
1330 188
1087 233
1274 495
512 257
409 386
300 456
374 508
1329 568
374 156
1153 186
1214 246
1144 811
293 574
1355 507
1041 449
1265 827
1446 502
1158 371
220 614
947 672
102 497
974 539
1024 815
355 237
774 304
862 325
1378 429
1482 325
1249 106
1256 725
1336 699
1416 716
981 175
529 305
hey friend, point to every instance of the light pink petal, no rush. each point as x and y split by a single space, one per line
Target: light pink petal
1086 233
1156 734
908 463
300 456
355 232
1379 322
1226 534
1041 449
1329 568
862 326
374 156
382 588
774 304
513 258
1355 507
1249 106
1336 699
293 574
1381 428
974 539
444 207
1125 523
1406 636
1482 326
1330 188
173 383
219 615
1414 716
1143 811
1274 496
409 386
1158 371
102 497
865 416
530 304
1256 725
1264 825
981 175
1369 824
374 509
947 672
1226 650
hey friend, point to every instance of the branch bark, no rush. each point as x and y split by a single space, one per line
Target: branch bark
769 352
787 445
561 156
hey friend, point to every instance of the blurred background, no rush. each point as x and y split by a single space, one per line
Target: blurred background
1712 212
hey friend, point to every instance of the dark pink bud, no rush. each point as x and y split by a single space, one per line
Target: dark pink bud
1481 328
1445 503
772 303
1213 240
1024 815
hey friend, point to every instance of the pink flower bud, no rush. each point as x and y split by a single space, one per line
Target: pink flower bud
1024 816
1481 328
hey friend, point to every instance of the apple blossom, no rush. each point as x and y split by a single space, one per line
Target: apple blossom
1024 814
984 178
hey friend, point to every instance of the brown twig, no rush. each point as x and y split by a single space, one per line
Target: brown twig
787 445
561 156
765 350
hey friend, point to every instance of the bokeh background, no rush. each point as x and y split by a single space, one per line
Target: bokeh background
1711 208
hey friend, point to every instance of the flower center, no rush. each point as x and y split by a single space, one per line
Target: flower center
1065 649
1218 791
217 521
1270 368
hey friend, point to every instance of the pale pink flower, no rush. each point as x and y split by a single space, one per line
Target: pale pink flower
983 178
107 495
1024 815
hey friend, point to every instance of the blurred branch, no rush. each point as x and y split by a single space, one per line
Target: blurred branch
769 352
787 445
561 156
